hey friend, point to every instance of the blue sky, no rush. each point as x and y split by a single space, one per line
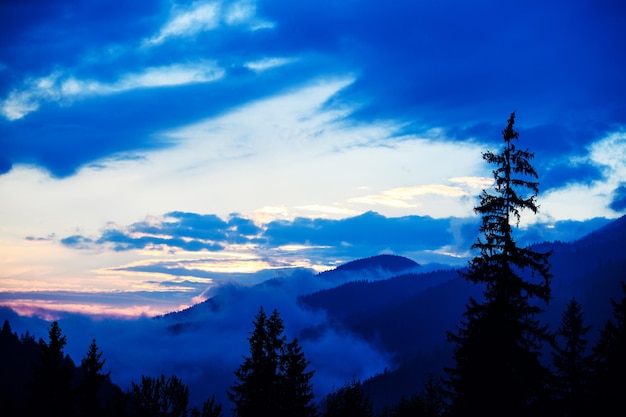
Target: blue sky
152 149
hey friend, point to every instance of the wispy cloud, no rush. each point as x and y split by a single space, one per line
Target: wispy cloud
268 63
205 16
59 88
586 199
405 197
199 17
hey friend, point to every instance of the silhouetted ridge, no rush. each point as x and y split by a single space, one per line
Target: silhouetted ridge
610 233
358 297
391 263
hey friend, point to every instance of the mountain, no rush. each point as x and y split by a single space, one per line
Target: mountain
384 301
409 315
358 297
379 319
379 267
390 263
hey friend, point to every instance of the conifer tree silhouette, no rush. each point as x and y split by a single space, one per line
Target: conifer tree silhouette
210 408
349 400
497 371
273 380
610 363
51 389
160 397
572 363
92 379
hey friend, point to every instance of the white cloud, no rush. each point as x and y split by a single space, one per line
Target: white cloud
206 16
21 102
170 76
55 87
589 200
199 17
239 12
405 197
318 210
18 104
473 182
610 153
268 63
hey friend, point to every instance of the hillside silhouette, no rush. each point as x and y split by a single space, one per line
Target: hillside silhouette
382 302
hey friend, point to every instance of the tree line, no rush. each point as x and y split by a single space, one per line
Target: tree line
499 361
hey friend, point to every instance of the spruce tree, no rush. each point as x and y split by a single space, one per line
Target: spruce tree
51 389
297 389
273 380
160 397
610 363
497 370
572 363
256 375
92 379
349 400
210 408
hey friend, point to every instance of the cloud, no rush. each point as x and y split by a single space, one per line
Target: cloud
184 231
204 348
57 88
199 17
205 246
405 196
619 198
560 174
77 242
560 230
451 79
268 63
205 16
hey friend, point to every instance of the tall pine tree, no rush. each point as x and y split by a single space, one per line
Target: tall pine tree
610 363
273 380
497 370
349 400
160 397
572 364
51 389
92 380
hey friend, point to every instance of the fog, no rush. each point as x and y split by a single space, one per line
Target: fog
205 344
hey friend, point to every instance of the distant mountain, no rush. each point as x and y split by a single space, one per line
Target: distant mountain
391 263
356 298
386 301
409 315
377 267
351 320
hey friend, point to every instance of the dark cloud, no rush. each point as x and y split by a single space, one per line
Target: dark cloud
186 231
371 230
557 175
555 148
619 198
77 242
63 32
562 230
191 225
322 240
122 241
244 226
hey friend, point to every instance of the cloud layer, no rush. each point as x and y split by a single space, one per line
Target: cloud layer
458 67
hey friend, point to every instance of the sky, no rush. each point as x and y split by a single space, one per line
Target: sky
153 150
